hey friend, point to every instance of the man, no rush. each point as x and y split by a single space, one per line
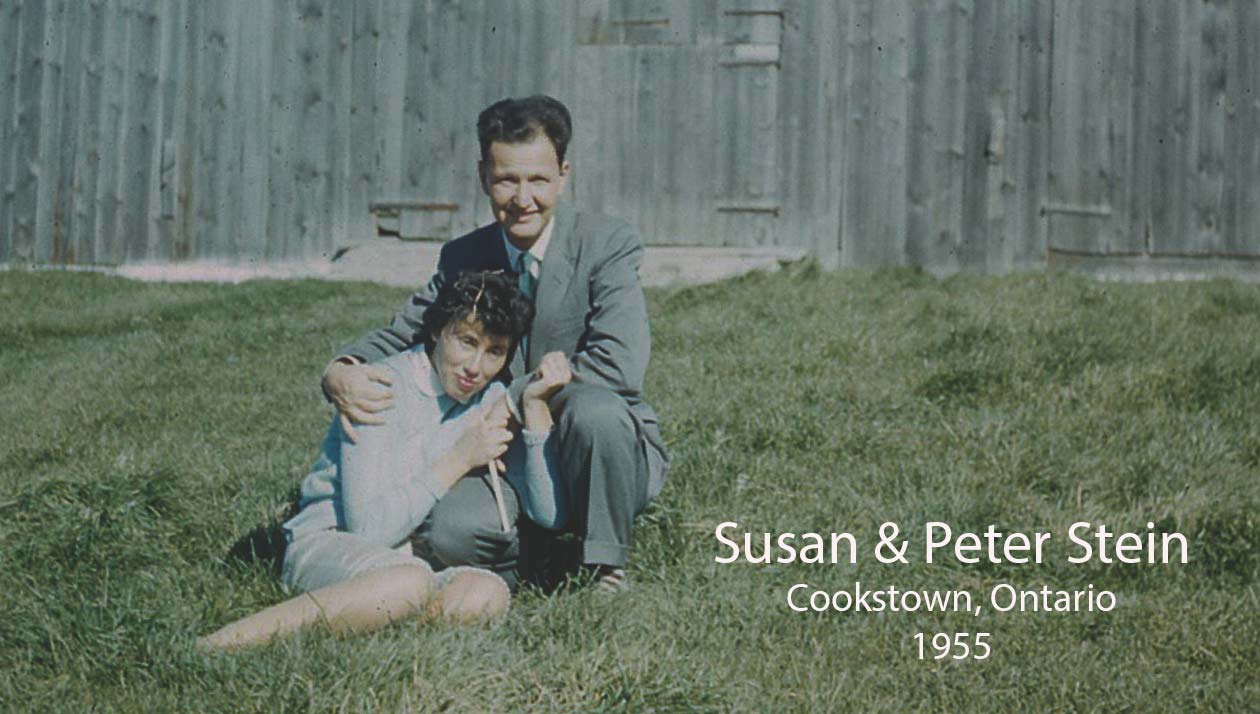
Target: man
581 270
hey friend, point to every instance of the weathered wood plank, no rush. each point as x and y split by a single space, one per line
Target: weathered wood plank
283 97
141 130
826 206
228 86
251 98
682 148
363 177
1028 145
186 129
28 130
1242 228
162 185
1088 201
1163 91
995 110
393 62
1208 127
749 205
936 134
479 28
859 153
875 202
428 131
339 107
105 245
310 224
56 107
10 54
81 228
603 157
214 167
689 153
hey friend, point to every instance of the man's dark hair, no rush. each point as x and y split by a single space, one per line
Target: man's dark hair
492 297
517 121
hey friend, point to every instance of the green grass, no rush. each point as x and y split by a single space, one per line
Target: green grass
148 427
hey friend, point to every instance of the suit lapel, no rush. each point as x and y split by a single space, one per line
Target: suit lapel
556 271
494 254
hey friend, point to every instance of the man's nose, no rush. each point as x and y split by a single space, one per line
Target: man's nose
523 197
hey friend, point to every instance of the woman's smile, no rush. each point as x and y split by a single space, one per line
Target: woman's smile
466 383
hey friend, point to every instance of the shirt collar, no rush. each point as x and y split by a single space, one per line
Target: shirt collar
428 382
537 250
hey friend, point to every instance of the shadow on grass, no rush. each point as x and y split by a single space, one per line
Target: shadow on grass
265 544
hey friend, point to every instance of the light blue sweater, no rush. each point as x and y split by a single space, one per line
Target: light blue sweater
381 488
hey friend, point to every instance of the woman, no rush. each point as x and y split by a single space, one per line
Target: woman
349 546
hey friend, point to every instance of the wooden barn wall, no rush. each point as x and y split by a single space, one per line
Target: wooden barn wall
953 134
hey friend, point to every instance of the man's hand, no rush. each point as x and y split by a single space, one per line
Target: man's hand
360 393
553 373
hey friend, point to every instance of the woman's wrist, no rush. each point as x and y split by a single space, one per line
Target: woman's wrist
537 415
450 467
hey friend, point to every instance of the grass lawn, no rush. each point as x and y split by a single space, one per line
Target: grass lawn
148 427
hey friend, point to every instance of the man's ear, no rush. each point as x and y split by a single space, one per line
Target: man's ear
564 174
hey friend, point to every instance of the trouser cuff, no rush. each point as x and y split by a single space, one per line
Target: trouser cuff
604 552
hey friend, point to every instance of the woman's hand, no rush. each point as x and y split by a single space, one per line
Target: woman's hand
484 439
552 374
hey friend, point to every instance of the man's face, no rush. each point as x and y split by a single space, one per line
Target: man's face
523 183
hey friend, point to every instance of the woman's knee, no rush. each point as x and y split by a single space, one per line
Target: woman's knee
470 595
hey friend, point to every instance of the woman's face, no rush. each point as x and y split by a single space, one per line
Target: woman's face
467 357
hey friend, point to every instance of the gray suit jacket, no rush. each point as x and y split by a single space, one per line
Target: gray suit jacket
589 304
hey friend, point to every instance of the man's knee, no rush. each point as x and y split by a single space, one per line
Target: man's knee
458 532
588 412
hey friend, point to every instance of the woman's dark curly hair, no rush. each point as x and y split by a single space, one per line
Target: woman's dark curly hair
491 297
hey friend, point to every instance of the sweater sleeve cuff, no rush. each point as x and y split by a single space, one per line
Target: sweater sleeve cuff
535 438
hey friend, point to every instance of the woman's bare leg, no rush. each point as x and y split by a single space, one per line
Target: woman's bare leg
362 604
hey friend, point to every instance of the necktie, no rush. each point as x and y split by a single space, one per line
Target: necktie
527 283
525 278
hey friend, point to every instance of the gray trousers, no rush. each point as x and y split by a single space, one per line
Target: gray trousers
608 471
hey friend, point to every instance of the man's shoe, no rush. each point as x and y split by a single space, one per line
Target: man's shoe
611 580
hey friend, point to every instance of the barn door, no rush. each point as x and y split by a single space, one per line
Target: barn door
746 202
680 113
1089 185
